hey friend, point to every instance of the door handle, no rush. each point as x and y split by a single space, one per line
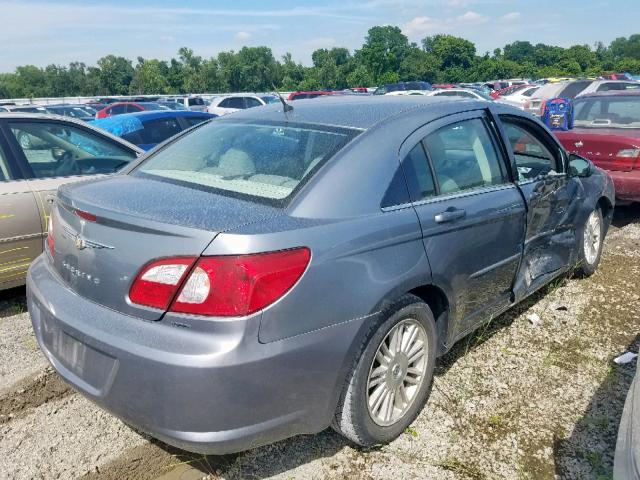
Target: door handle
50 199
450 215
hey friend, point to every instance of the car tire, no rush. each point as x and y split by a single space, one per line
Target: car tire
590 241
361 415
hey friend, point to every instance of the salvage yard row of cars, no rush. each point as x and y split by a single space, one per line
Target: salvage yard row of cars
202 261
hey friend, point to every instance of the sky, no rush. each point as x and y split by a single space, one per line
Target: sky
41 32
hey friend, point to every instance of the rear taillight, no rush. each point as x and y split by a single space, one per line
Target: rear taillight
51 242
629 153
226 286
157 283
230 286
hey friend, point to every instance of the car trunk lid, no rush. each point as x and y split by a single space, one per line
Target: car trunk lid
604 146
136 221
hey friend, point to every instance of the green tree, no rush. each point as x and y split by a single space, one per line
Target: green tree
451 51
115 75
383 51
150 78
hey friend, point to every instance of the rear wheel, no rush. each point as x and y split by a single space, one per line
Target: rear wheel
590 244
392 377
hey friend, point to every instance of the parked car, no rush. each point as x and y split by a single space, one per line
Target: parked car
626 464
148 129
270 274
609 86
37 154
26 108
173 105
392 87
120 108
232 103
507 91
571 89
86 114
607 131
518 97
195 104
461 93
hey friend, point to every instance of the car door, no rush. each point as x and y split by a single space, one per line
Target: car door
472 215
20 228
61 152
552 202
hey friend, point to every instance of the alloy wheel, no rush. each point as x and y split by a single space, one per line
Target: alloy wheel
592 238
397 372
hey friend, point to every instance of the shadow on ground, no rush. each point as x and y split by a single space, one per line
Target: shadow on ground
590 448
12 302
625 214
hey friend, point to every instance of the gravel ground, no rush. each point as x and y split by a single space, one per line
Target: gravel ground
517 400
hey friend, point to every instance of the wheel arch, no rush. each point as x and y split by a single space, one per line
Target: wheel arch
439 304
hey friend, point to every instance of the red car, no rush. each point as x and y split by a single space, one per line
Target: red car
119 108
607 131
507 90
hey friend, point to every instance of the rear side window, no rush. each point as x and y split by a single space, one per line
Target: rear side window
195 101
252 102
157 131
573 89
263 161
232 102
464 157
118 109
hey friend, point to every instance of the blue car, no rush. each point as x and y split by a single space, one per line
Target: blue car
148 129
280 270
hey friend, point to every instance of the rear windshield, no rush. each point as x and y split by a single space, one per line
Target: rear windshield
610 112
265 162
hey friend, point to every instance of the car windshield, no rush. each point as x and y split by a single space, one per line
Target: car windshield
265 162
610 112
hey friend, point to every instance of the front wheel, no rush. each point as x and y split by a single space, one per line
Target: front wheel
590 244
392 377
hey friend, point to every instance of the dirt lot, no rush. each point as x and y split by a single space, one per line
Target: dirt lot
519 399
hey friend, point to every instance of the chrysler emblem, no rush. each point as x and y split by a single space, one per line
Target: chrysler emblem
80 245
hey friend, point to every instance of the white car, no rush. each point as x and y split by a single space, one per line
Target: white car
519 97
232 103
460 92
572 89
195 104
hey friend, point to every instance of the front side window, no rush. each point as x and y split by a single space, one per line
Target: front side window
464 157
232 102
117 110
56 150
265 162
532 155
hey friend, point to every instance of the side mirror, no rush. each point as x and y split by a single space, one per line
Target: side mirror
579 166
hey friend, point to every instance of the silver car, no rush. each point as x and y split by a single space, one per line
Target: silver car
38 153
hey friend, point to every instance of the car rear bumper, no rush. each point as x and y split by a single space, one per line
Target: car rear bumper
627 184
216 392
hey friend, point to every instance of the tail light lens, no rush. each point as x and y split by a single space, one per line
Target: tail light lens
51 242
157 283
242 284
225 286
629 153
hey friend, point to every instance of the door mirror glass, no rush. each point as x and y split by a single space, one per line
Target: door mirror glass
579 166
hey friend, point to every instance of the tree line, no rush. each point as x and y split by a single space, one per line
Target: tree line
386 56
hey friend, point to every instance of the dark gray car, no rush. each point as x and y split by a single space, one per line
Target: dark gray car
270 274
